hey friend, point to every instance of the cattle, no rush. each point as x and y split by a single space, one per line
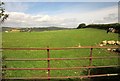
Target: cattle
112 30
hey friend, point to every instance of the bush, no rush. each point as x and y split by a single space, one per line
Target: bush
83 25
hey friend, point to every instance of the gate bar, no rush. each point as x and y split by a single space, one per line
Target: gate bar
64 77
62 48
44 59
82 67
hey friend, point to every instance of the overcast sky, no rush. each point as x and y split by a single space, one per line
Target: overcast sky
60 14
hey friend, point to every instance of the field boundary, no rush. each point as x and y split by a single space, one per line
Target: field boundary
48 59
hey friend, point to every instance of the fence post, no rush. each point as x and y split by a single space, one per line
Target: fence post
48 59
90 60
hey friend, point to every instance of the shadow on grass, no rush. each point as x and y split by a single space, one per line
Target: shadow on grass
97 71
52 80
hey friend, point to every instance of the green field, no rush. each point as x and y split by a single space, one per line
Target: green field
61 38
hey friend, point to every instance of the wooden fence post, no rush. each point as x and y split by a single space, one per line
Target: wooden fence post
90 60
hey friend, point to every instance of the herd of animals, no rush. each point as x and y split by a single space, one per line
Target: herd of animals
112 42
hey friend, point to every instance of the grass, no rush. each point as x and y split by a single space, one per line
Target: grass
61 38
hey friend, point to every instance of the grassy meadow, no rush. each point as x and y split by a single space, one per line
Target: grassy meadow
60 38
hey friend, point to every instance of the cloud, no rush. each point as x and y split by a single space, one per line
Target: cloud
108 15
63 19
104 15
17 19
110 18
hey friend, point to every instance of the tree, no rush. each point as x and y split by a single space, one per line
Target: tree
3 16
82 25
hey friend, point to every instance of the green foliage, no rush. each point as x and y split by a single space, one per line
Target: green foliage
105 26
116 26
3 16
81 26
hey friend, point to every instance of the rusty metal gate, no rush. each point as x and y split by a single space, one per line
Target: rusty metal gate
48 59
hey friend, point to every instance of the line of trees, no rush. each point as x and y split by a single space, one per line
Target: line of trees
100 26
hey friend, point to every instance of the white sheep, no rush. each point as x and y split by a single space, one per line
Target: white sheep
118 42
101 44
104 42
6 31
111 42
109 49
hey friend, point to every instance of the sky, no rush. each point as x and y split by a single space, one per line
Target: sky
60 0
60 14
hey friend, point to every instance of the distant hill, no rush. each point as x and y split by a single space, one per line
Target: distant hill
35 29
6 29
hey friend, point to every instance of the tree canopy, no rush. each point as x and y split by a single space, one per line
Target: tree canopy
3 16
82 25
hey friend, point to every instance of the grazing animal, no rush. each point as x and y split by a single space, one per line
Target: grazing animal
110 30
104 42
117 43
111 42
101 44
6 31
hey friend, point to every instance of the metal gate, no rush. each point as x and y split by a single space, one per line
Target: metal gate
48 59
